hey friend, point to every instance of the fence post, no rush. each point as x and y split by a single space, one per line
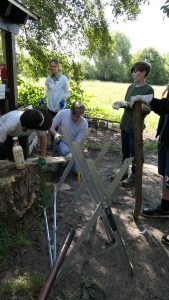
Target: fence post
138 158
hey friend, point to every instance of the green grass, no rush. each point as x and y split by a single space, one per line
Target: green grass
105 93
94 146
25 285
11 240
151 146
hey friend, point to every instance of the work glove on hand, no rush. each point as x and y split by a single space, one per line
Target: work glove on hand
120 104
145 99
57 138
42 161
41 102
62 103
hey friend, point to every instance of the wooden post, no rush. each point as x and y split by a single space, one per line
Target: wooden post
11 67
138 157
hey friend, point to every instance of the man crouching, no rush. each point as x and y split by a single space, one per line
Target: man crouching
72 120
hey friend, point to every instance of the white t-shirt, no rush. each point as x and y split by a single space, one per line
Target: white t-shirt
10 125
75 130
56 91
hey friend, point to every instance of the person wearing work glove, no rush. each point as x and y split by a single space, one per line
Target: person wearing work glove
57 89
41 102
144 99
160 107
72 120
120 104
21 124
139 72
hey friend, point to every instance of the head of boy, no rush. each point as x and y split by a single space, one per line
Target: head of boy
36 120
77 111
54 66
140 71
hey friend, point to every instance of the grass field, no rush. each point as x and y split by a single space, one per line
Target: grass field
105 93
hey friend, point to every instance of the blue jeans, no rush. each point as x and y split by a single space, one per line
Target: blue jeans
128 148
62 149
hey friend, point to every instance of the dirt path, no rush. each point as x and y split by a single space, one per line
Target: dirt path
105 275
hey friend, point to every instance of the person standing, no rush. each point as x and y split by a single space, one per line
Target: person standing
139 73
57 89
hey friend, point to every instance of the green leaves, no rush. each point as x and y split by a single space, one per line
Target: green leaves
158 74
74 24
165 8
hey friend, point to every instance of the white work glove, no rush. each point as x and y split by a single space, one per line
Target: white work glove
120 104
57 138
145 99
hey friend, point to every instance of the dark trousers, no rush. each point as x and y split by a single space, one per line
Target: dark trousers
6 147
128 148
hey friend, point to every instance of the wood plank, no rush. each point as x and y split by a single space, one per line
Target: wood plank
138 136
33 161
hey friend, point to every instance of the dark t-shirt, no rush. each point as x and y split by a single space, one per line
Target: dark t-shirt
127 120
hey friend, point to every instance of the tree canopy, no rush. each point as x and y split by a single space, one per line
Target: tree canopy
113 65
79 23
158 74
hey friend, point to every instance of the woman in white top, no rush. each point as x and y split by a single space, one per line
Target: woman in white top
57 89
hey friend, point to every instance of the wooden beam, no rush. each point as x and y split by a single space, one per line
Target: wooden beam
24 9
138 157
33 161
8 26
11 67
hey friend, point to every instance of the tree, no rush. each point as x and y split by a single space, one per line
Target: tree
78 23
165 8
158 73
112 66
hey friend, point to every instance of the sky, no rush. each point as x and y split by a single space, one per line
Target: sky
151 29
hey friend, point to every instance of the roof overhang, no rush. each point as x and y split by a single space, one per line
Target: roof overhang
13 13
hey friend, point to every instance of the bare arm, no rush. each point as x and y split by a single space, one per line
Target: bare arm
52 131
56 123
43 144
165 91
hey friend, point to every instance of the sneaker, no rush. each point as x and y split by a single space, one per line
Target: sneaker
156 212
165 240
130 181
125 176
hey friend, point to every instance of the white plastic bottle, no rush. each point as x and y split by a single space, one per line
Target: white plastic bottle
18 154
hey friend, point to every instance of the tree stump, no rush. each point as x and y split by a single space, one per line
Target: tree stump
18 191
19 188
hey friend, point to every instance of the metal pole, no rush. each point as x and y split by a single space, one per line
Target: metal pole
48 238
57 265
138 158
54 221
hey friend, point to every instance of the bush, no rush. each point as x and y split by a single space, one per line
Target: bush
29 94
